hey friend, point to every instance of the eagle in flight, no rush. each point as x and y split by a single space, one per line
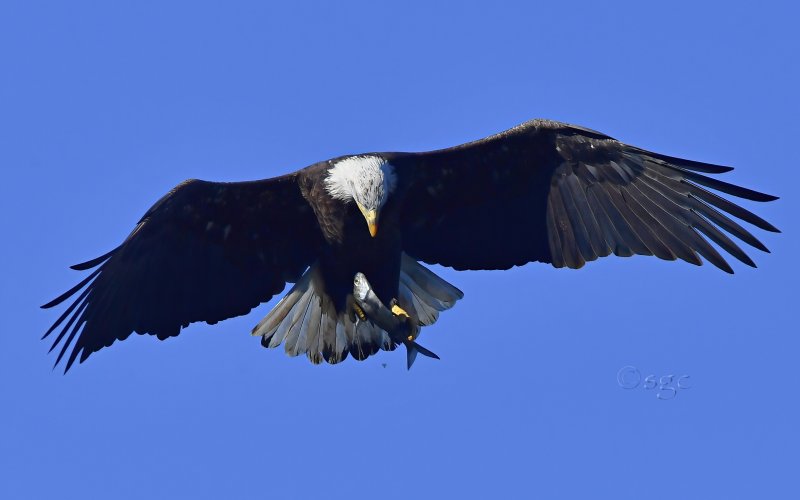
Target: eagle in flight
542 191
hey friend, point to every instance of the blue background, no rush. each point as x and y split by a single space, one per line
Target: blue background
104 106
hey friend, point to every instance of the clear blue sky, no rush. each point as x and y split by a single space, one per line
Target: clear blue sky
104 106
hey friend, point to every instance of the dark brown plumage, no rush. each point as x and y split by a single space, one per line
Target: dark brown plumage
542 191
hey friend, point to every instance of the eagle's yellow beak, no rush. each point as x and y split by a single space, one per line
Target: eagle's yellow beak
372 221
371 216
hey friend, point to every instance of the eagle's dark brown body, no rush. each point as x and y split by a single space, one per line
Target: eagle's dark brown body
348 248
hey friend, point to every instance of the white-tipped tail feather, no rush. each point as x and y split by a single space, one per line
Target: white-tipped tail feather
306 321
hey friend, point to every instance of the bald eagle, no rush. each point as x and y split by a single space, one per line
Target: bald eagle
540 192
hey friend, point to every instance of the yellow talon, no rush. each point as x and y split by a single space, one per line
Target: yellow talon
398 311
359 312
410 338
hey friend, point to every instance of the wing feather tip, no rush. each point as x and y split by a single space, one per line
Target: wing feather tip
52 303
724 266
89 264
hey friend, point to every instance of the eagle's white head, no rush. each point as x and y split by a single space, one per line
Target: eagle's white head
368 180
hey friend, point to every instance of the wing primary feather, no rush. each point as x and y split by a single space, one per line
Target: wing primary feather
730 207
711 254
692 220
677 194
69 324
697 166
720 239
671 229
685 175
674 216
67 312
64 296
68 341
94 262
103 299
75 350
727 224
726 187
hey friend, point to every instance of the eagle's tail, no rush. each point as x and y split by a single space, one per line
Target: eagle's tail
306 320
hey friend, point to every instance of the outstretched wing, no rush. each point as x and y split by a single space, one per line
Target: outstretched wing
550 192
206 251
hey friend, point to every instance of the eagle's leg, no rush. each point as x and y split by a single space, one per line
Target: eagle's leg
359 312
